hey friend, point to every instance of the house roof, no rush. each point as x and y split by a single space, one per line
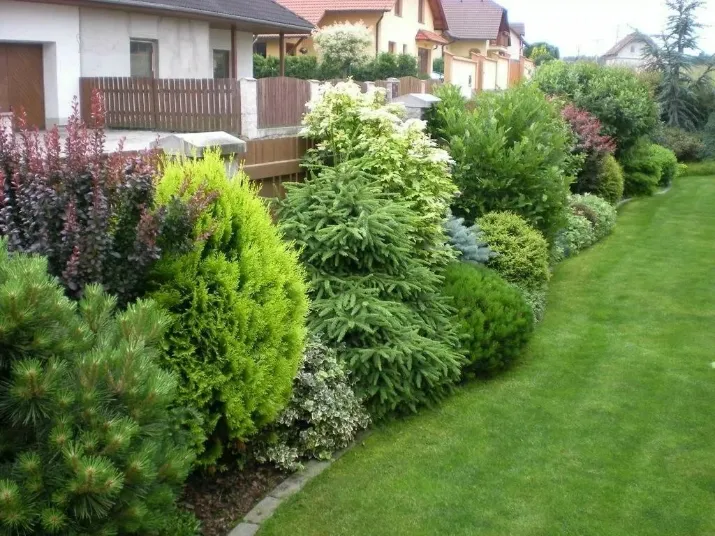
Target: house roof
519 28
315 10
627 40
264 14
474 19
424 35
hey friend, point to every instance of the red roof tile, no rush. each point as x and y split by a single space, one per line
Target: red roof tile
474 19
314 10
424 35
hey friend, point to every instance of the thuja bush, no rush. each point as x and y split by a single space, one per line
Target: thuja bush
323 416
494 321
90 213
89 443
610 180
468 241
375 297
238 304
347 123
522 255
512 153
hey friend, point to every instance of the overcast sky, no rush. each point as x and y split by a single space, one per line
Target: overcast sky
593 26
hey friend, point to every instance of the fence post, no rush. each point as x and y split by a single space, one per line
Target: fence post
248 88
369 87
314 89
393 88
423 86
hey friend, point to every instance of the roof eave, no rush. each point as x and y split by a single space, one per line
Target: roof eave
262 23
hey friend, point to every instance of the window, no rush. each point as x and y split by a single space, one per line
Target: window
404 49
261 49
633 48
222 64
142 58
391 47
421 11
398 8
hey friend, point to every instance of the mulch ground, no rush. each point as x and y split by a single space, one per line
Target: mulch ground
221 500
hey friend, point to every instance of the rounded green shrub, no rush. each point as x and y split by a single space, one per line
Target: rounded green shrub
601 213
577 236
610 180
668 163
647 166
495 322
238 303
90 443
522 253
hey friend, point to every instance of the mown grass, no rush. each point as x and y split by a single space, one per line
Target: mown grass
605 428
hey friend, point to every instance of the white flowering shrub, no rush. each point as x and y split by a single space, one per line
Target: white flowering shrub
406 161
344 45
323 416
598 211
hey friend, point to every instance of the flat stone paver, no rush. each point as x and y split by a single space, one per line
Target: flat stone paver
263 510
245 529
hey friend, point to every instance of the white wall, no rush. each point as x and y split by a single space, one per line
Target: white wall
630 56
57 27
515 47
464 75
244 55
183 44
502 73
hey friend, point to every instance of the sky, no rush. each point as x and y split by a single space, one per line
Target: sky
591 27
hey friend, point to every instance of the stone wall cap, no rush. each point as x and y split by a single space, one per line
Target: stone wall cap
194 144
417 100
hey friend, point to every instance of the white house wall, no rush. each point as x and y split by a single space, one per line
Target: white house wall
489 75
57 28
629 56
515 47
183 44
502 73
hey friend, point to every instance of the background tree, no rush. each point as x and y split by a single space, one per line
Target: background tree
542 52
675 54
344 45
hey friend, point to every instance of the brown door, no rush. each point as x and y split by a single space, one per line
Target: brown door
21 81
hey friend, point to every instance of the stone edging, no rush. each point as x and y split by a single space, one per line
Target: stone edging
628 200
290 486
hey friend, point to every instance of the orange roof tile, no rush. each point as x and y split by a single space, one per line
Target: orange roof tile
314 10
425 35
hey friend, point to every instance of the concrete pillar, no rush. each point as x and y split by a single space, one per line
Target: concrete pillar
249 107
314 89
369 86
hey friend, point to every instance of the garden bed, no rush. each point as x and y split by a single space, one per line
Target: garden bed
221 500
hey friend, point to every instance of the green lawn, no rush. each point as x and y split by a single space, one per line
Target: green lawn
605 428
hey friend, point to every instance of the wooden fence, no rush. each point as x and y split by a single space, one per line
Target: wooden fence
281 101
275 161
515 72
169 104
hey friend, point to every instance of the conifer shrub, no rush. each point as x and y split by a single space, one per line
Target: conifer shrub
91 214
494 321
522 255
513 152
89 442
323 416
610 180
467 241
375 296
399 153
238 304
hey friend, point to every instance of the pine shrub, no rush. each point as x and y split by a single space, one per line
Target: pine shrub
238 302
323 416
89 444
495 322
610 180
91 214
375 297
467 241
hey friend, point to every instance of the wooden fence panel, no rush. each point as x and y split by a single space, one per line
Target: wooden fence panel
281 101
273 162
410 84
515 72
168 104
432 85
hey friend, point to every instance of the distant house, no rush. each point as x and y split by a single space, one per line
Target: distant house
480 26
628 52
45 48
398 26
517 34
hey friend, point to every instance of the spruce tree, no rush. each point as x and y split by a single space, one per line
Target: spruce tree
88 442
375 296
